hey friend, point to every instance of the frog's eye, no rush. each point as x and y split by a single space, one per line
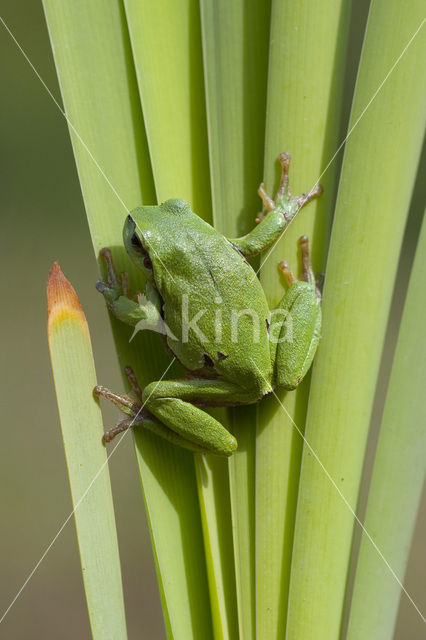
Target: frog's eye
137 244
139 248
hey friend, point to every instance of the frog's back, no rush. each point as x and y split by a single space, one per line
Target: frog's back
209 282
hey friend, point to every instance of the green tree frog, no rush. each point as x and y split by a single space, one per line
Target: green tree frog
204 297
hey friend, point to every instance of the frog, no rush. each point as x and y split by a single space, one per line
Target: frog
205 299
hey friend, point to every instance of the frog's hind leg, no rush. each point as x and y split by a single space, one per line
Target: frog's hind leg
138 415
178 404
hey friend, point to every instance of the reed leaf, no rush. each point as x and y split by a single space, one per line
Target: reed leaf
99 90
81 424
235 48
398 474
306 64
166 44
386 130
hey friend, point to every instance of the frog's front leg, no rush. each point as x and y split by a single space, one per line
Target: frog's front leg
145 312
296 324
279 213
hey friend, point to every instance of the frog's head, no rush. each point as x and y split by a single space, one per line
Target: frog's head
148 231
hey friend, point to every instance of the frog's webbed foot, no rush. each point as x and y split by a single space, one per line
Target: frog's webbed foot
116 285
284 202
120 427
289 276
142 311
133 407
307 271
268 203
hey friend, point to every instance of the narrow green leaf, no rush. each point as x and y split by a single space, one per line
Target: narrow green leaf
377 177
235 49
98 86
166 44
213 487
81 423
398 474
99 90
306 64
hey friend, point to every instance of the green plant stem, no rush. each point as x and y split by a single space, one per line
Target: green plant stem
376 182
99 89
306 63
398 473
235 49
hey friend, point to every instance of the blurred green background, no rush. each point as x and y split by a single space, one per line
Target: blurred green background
43 220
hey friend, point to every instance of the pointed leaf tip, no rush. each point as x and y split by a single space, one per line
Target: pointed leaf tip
62 301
